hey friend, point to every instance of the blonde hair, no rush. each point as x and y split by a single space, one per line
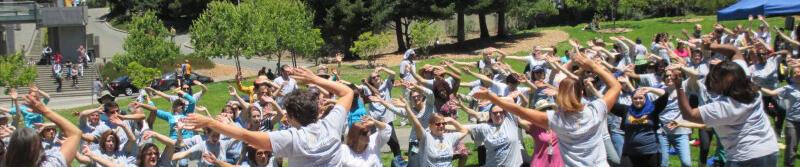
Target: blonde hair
435 117
569 94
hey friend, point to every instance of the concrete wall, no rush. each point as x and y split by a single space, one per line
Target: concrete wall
66 40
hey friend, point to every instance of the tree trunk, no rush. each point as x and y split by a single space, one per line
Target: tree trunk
501 24
398 31
482 25
278 64
460 33
294 59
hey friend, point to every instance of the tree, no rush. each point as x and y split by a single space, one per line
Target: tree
14 72
424 35
368 45
223 31
141 76
226 30
146 43
527 12
406 11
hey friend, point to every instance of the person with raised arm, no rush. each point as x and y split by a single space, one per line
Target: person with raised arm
25 147
575 124
733 107
791 93
312 141
178 111
437 147
383 89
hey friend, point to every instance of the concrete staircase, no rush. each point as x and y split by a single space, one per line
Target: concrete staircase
46 83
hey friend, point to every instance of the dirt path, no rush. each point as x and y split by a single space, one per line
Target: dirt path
468 49
222 72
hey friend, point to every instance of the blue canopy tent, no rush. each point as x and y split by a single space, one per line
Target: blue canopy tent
743 8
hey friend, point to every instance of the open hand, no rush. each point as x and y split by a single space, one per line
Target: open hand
196 121
36 105
482 94
232 91
303 76
209 157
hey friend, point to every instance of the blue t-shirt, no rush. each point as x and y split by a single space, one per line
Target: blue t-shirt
30 117
356 113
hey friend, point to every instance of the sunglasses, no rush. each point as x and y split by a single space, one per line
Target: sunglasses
497 113
440 124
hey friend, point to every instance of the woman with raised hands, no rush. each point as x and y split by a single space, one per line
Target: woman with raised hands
421 102
733 107
110 153
312 141
365 146
575 124
437 147
25 147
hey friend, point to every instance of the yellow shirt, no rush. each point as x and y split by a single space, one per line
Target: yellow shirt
250 90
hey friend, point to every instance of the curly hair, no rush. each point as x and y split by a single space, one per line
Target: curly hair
729 79
104 137
302 106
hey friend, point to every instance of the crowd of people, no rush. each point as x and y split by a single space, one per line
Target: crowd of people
603 104
65 69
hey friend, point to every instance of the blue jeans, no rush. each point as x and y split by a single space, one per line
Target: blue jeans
612 155
619 141
681 144
770 160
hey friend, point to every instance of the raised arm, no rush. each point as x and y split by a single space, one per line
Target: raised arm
769 92
536 117
41 93
463 132
612 93
128 132
158 93
688 113
418 129
479 76
98 159
203 88
71 132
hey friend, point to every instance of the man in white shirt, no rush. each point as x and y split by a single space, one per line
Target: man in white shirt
312 141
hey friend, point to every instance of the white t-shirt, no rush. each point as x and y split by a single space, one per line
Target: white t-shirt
578 137
743 128
406 75
372 154
316 144
118 158
792 94
438 151
766 75
219 150
291 85
502 142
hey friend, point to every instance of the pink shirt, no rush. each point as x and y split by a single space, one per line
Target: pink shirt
543 142
682 53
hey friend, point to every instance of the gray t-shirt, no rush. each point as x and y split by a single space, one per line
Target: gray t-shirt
791 93
672 112
578 137
702 68
743 128
316 144
123 138
118 158
649 80
291 85
376 109
54 159
438 151
218 149
766 75
501 141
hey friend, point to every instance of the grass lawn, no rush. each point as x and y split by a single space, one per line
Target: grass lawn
217 95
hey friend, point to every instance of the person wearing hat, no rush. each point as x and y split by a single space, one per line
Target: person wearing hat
251 90
105 97
408 66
